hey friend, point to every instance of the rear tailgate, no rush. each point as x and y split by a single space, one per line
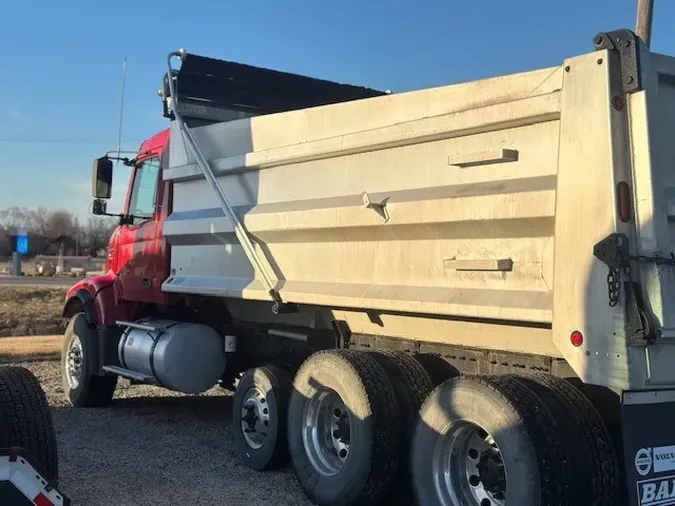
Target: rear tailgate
652 133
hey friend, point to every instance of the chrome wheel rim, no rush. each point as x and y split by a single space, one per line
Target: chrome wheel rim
326 432
74 361
468 468
255 418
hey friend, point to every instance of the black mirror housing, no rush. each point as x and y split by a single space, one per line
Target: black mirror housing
99 208
101 178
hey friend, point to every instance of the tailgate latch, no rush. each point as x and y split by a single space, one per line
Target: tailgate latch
613 252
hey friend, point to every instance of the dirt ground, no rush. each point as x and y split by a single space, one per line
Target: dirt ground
152 446
30 348
31 310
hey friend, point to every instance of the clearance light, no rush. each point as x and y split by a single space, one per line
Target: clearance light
577 338
42 500
623 202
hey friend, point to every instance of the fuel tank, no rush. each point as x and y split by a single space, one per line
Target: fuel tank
181 356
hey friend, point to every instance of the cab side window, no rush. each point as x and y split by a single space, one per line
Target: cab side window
144 191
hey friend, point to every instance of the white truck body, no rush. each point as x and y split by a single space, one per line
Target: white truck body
464 214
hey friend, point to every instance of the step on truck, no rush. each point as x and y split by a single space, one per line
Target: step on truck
457 296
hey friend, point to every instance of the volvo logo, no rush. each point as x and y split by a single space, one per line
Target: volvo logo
643 461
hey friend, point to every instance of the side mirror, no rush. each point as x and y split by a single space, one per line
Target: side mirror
101 178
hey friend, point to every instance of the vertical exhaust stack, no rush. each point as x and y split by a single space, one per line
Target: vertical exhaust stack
645 17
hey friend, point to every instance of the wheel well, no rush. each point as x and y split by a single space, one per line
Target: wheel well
80 302
73 306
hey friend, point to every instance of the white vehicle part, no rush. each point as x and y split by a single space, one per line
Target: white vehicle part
186 357
458 215
18 477
239 230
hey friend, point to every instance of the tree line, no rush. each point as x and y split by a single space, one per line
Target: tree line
90 235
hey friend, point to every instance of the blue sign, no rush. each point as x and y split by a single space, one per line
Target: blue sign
22 244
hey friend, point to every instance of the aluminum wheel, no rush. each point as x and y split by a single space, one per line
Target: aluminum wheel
255 418
326 432
74 361
468 468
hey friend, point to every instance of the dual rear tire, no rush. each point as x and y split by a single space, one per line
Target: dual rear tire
539 431
360 425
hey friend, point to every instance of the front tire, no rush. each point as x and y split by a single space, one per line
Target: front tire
259 415
344 429
83 386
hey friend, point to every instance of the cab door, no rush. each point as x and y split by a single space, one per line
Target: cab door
140 245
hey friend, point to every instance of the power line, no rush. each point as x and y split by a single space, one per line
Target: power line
45 140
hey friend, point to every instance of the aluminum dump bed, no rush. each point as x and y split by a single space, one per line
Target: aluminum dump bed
465 214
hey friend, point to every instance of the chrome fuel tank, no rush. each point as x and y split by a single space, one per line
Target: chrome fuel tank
186 357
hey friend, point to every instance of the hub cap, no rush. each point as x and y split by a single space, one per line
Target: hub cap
255 418
74 361
468 468
326 432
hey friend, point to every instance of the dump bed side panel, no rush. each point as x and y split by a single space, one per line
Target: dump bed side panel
461 182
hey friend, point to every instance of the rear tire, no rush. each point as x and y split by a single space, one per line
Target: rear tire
411 385
465 418
261 408
79 366
595 461
343 429
25 418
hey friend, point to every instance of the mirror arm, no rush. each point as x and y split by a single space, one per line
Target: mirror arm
125 219
129 162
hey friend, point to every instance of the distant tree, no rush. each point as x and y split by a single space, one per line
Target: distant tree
90 237
4 242
96 233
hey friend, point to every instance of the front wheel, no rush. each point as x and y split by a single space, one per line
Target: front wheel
83 386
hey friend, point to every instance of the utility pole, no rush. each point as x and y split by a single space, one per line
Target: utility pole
645 16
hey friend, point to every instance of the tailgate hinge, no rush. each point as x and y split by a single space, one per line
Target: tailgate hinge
627 45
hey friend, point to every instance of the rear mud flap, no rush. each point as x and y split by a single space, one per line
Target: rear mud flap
648 430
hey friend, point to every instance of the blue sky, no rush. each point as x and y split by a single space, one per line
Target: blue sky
61 65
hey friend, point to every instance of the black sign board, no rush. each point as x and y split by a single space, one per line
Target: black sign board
648 426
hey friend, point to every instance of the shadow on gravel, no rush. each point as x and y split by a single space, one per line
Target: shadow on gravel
207 408
151 449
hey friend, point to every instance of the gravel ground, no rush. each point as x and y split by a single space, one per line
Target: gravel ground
156 447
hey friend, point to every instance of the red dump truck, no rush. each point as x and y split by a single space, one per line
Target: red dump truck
462 295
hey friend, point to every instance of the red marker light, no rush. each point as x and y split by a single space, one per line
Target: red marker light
617 102
577 338
42 500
